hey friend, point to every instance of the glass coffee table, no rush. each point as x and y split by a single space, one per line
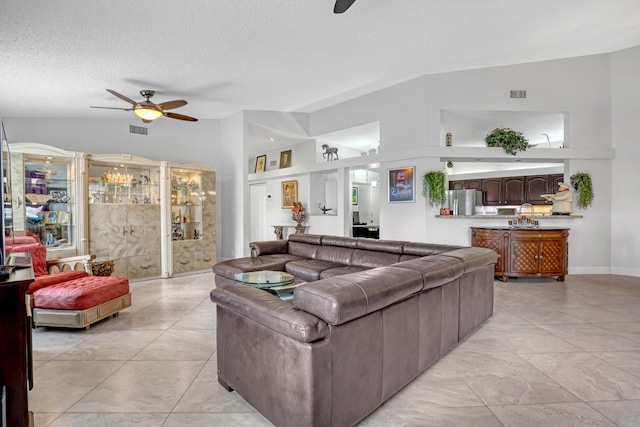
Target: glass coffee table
275 282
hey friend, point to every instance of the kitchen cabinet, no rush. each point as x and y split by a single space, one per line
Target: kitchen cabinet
492 192
542 252
467 184
16 369
514 190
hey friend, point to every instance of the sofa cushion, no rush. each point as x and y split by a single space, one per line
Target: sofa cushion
436 270
390 246
334 254
372 259
473 258
53 279
311 239
339 271
303 250
340 299
309 269
424 249
270 311
82 293
245 265
268 247
346 242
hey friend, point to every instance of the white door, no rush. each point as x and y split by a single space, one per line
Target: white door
258 212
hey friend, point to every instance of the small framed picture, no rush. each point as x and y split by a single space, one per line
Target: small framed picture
63 217
260 163
51 217
289 193
354 195
285 159
402 185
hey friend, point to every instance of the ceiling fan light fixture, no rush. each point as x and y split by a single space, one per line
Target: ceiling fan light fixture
147 112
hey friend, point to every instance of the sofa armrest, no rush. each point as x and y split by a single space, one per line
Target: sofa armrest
269 247
81 263
474 257
270 311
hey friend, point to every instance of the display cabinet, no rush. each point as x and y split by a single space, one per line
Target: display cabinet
124 213
192 231
44 194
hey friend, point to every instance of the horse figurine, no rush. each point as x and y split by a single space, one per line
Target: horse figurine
329 152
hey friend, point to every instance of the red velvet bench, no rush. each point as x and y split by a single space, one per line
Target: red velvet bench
66 294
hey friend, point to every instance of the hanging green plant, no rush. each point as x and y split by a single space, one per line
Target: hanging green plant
433 187
581 182
510 140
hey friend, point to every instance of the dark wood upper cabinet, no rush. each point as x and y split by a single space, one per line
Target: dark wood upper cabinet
514 190
535 187
492 192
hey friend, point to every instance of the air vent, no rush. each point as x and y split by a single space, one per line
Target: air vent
272 163
138 129
518 94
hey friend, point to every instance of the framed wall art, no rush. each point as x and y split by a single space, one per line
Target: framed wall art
354 195
402 185
289 193
260 163
285 159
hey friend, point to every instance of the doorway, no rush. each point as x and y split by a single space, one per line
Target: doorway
258 212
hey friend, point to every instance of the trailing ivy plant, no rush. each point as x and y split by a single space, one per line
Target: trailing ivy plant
581 182
433 188
510 140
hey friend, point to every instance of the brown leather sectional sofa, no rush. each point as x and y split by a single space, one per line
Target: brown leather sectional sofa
373 316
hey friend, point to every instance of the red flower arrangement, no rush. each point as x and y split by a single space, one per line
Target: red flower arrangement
298 212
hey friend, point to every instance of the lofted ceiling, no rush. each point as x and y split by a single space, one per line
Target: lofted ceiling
58 57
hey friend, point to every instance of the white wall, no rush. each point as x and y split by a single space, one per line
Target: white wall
409 116
625 203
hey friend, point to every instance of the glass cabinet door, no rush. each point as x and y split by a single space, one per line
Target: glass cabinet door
49 200
123 184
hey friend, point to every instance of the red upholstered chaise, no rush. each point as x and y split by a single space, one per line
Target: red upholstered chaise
65 293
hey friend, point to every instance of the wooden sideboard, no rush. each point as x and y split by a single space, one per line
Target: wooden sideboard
538 252
16 363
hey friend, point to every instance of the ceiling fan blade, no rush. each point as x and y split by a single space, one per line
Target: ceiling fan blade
124 98
112 108
342 5
179 117
170 105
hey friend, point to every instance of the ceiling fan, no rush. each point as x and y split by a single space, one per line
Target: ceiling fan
147 110
341 6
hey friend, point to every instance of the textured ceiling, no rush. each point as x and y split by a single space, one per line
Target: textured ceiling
58 57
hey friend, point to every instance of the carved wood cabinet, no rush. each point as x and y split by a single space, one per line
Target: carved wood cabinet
541 252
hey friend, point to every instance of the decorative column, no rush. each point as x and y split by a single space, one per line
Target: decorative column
166 248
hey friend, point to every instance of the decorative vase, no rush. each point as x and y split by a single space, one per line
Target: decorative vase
299 227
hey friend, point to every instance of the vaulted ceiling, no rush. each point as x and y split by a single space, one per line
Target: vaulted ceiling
58 57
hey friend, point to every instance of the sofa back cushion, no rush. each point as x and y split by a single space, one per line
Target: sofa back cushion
312 239
346 242
340 299
390 246
424 249
335 254
436 270
304 250
372 259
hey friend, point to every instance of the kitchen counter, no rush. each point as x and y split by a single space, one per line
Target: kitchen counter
510 216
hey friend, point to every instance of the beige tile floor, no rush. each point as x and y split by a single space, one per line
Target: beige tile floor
554 354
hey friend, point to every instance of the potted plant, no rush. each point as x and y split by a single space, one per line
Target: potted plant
510 140
433 188
581 182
